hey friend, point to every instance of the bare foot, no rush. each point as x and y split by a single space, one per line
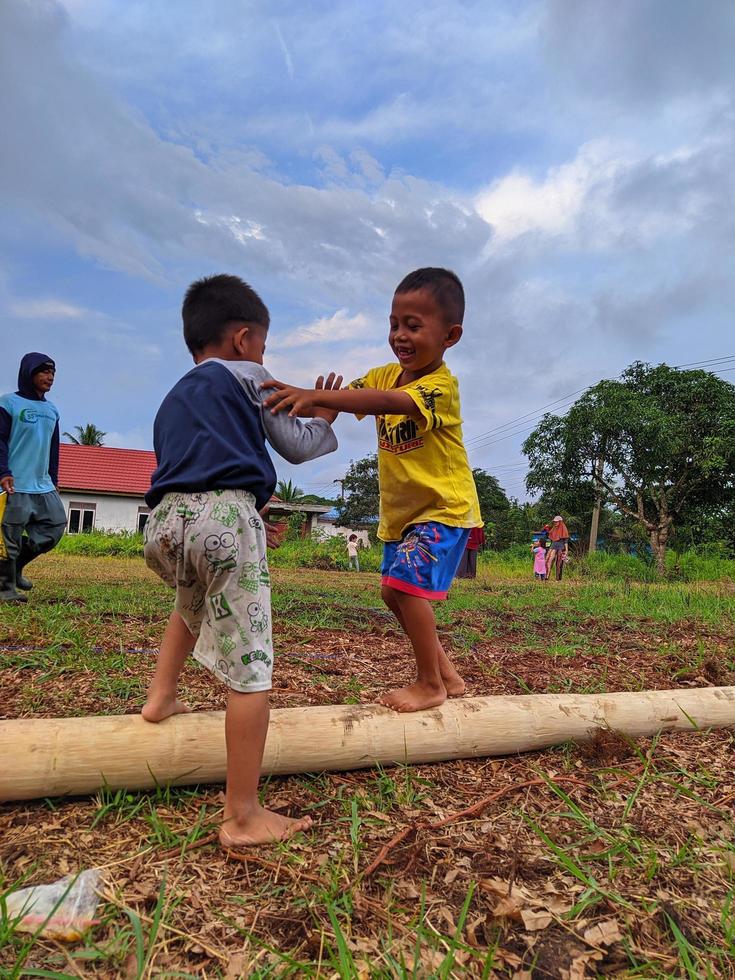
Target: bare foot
415 697
455 685
263 827
158 710
453 681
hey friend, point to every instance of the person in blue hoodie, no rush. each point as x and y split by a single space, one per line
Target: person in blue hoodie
34 517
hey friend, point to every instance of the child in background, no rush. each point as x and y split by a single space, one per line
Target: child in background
206 538
428 499
352 546
539 560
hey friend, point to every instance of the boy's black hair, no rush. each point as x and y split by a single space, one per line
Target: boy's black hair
443 284
212 303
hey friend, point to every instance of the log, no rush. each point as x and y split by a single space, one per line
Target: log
73 756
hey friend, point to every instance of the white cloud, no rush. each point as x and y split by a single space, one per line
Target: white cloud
517 204
542 151
286 53
47 309
329 329
350 362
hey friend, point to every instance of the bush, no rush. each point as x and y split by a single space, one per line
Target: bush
704 563
329 554
605 565
128 544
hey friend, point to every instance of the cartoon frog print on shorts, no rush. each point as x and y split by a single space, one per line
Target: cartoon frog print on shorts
191 507
221 552
225 513
258 618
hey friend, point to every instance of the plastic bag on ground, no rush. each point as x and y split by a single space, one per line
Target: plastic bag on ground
63 910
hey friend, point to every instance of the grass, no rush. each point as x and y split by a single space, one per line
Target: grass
704 564
635 832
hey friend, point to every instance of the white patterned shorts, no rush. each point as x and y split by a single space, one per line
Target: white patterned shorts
211 548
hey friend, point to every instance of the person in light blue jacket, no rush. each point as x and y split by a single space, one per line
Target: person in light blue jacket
34 518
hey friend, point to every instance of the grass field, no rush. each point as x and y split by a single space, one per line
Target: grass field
612 859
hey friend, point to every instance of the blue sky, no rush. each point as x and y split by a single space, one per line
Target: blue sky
572 160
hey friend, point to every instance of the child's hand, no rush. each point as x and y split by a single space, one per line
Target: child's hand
273 535
299 401
333 383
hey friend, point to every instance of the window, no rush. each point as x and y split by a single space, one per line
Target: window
81 517
143 515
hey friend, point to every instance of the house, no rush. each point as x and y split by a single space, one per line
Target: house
327 526
104 488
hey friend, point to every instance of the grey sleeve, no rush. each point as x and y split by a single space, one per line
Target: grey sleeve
297 440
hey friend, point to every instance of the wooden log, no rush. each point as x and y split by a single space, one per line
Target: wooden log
73 756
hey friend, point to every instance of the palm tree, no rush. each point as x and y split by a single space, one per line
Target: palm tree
287 492
88 435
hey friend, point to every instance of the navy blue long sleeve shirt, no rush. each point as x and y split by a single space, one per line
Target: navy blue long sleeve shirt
211 430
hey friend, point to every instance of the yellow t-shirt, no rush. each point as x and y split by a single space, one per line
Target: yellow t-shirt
422 465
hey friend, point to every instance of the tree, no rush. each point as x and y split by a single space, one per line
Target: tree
315 498
287 492
87 435
361 502
666 439
494 507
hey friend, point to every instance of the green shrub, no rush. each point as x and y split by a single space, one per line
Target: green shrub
602 565
128 544
704 563
329 554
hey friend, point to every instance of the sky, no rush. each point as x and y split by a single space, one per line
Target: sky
572 160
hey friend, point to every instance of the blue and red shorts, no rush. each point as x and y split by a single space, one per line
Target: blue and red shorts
425 561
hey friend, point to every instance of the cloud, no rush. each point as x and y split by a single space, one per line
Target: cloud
47 309
338 326
517 204
286 53
351 362
640 54
571 161
613 197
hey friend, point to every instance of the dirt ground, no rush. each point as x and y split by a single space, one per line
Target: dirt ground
612 858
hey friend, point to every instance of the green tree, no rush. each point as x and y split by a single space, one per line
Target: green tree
287 492
666 439
315 498
494 508
87 435
361 502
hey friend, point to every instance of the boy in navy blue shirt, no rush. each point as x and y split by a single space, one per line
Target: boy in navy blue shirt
33 518
206 537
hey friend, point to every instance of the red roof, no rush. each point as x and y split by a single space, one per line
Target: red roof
104 469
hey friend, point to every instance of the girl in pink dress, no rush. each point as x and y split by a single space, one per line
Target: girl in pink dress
539 560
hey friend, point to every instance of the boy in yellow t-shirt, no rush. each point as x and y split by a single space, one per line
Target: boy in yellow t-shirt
428 500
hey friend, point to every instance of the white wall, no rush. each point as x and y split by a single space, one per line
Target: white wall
330 530
112 513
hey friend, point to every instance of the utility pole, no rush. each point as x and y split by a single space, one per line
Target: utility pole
341 489
594 526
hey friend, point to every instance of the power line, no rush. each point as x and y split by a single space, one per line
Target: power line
709 360
521 418
487 439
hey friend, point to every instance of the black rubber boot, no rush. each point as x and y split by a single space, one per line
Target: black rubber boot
27 554
8 591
